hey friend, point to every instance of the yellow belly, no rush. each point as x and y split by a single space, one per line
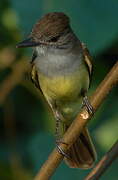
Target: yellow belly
65 88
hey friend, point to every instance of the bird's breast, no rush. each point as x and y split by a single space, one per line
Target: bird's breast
64 86
58 63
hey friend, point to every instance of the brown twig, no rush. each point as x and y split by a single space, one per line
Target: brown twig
18 70
76 127
104 163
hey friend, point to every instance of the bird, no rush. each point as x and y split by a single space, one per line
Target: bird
61 68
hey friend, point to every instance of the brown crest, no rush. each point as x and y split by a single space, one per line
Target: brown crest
49 26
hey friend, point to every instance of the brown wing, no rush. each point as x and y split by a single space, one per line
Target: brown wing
88 60
34 73
34 77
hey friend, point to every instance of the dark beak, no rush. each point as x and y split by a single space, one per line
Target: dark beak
27 43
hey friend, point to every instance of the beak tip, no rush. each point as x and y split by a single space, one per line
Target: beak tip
19 45
27 43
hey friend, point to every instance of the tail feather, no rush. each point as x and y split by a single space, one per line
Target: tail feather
82 153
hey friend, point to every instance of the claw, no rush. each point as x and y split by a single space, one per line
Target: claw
87 104
60 141
60 150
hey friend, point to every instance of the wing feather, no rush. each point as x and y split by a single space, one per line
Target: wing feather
88 60
34 73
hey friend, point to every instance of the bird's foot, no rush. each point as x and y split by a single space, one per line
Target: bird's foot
87 104
60 150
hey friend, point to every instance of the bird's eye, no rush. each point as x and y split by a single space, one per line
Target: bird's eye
54 39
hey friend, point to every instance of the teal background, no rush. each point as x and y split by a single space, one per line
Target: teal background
26 125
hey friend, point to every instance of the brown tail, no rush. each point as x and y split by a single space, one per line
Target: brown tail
82 153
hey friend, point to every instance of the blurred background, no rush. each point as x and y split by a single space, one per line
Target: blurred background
26 125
